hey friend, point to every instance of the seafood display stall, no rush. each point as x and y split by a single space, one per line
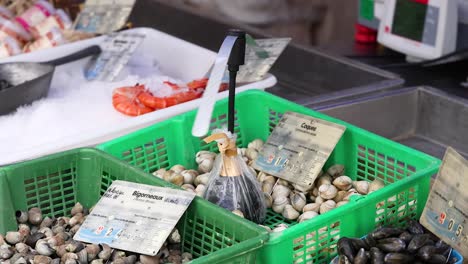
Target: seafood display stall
115 169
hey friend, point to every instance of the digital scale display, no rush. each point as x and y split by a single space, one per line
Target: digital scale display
409 19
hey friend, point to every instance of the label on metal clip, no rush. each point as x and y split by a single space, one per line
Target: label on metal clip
260 55
298 148
446 210
134 217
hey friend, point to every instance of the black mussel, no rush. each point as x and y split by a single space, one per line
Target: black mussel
391 244
426 252
442 248
429 254
370 241
345 247
437 259
418 242
376 256
342 259
397 258
358 243
406 236
361 257
415 227
385 232
33 238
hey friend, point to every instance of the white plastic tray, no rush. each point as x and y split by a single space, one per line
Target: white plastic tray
176 58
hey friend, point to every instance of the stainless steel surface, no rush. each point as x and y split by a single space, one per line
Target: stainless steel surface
303 72
424 118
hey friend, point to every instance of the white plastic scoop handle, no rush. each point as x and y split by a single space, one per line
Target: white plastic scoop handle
202 120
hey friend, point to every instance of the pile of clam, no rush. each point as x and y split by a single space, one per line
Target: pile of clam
331 190
47 240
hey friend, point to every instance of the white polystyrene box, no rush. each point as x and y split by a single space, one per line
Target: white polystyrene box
176 58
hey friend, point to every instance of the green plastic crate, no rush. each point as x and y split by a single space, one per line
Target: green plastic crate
405 171
56 182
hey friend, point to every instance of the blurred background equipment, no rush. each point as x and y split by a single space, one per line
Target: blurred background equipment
453 34
307 22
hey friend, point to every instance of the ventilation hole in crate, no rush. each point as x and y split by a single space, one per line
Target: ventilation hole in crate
372 164
149 157
105 182
274 118
52 189
318 246
206 238
393 210
274 219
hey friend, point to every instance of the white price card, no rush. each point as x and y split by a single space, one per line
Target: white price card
446 210
117 50
298 148
260 56
134 217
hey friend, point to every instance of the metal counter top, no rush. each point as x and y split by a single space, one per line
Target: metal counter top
295 69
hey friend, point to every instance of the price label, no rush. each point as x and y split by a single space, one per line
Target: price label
103 16
134 217
260 55
446 210
117 49
298 148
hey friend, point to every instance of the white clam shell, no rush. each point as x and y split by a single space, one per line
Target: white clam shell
319 200
343 183
327 206
269 179
267 187
178 168
251 153
279 204
361 187
327 191
204 155
341 203
200 190
315 207
290 213
303 188
280 227
298 201
189 176
336 170
340 196
376 185
206 165
325 179
306 216
256 144
202 179
160 173
280 190
283 182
